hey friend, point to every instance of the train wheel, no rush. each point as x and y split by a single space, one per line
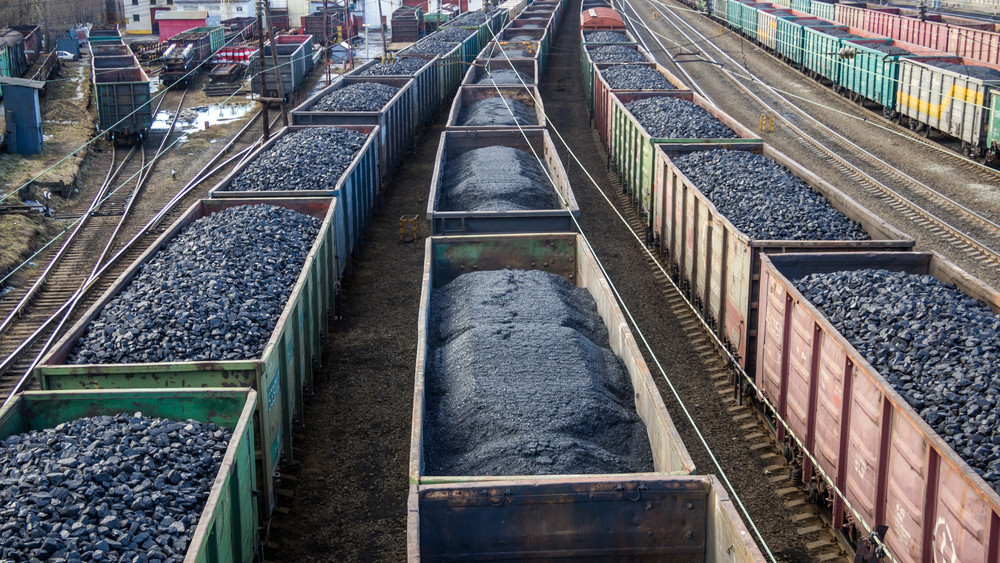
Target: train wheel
927 132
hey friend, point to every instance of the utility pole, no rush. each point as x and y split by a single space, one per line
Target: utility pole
326 40
381 26
349 29
260 57
274 62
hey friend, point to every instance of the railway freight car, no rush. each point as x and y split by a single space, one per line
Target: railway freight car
291 70
614 78
124 110
957 97
393 110
583 514
278 373
186 52
494 106
864 430
555 216
426 83
717 262
103 34
355 189
226 529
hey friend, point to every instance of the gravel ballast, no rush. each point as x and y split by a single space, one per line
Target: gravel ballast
214 292
496 178
504 76
496 111
308 159
107 488
514 388
605 37
360 96
401 67
635 77
935 345
615 54
674 118
763 199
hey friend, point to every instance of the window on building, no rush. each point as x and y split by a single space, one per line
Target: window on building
170 2
152 2
135 2
135 17
239 8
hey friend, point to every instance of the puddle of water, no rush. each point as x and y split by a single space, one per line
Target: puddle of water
197 119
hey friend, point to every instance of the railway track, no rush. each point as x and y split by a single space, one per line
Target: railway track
122 230
972 234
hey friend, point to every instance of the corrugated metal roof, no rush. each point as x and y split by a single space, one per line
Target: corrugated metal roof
10 37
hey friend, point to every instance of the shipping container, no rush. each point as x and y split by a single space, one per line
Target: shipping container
226 531
426 88
633 150
396 120
479 69
602 96
123 103
720 264
535 142
567 255
945 100
355 192
678 518
872 445
468 95
279 375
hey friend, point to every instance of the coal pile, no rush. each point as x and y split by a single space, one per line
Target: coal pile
451 34
360 96
890 50
520 381
497 111
475 17
975 71
615 54
635 77
107 488
935 345
401 67
215 292
496 178
605 37
843 34
674 118
309 159
428 47
512 51
763 199
504 76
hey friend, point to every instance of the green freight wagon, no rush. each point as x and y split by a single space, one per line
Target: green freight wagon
633 150
587 66
278 375
123 103
993 135
873 74
104 34
227 527
450 71
820 53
